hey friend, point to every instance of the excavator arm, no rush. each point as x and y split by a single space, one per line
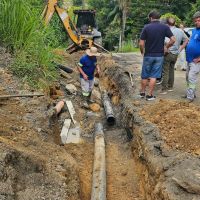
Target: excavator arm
79 41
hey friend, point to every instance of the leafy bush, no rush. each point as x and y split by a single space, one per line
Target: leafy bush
167 15
22 32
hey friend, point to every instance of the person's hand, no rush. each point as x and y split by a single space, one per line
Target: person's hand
85 77
98 71
196 60
166 50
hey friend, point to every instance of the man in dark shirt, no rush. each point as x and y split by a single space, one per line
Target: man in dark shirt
152 48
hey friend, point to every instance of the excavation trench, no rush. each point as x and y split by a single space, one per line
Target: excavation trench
139 164
164 167
145 160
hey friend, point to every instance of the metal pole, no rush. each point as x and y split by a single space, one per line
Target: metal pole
99 166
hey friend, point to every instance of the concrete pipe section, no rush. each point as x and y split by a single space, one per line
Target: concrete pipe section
99 166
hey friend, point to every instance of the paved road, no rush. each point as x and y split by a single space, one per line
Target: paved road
134 60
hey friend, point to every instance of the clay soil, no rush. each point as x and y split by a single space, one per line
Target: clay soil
178 122
30 141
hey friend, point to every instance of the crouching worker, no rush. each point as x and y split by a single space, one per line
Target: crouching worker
86 67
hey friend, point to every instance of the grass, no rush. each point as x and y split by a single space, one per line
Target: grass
128 46
23 33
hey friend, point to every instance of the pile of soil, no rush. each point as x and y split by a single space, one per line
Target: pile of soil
178 122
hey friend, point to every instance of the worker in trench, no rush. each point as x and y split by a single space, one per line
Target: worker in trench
87 66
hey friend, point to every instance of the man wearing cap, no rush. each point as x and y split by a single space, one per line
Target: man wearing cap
86 67
193 59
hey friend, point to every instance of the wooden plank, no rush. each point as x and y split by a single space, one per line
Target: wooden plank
65 130
71 110
19 95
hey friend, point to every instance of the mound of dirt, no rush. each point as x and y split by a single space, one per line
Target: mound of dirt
178 122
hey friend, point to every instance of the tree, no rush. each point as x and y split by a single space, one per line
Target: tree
77 2
129 16
194 8
167 15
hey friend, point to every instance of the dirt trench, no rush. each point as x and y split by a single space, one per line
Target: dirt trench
33 164
165 137
141 161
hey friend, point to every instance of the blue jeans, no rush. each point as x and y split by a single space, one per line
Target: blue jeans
152 67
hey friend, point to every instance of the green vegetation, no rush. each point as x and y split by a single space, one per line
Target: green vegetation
120 21
128 46
167 15
22 32
111 13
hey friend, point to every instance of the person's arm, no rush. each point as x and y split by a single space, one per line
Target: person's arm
98 69
172 40
142 46
183 45
169 44
143 37
196 60
79 66
187 34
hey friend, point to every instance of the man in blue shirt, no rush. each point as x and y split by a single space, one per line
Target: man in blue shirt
86 67
193 59
152 48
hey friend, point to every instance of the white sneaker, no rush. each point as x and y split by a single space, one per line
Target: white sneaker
163 92
150 98
158 82
170 90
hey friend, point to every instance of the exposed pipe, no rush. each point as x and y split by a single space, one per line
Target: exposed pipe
108 108
65 68
57 109
99 166
59 106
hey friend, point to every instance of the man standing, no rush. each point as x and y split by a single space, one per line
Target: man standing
87 66
170 57
193 59
181 60
152 48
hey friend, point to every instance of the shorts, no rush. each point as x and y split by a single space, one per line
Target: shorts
87 86
152 67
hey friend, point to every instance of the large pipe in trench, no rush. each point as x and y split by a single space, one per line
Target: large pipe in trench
57 109
99 166
59 106
108 109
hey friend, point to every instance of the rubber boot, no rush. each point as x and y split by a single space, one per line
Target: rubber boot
89 98
84 104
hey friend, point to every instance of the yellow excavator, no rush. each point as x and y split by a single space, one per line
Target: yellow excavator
84 34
